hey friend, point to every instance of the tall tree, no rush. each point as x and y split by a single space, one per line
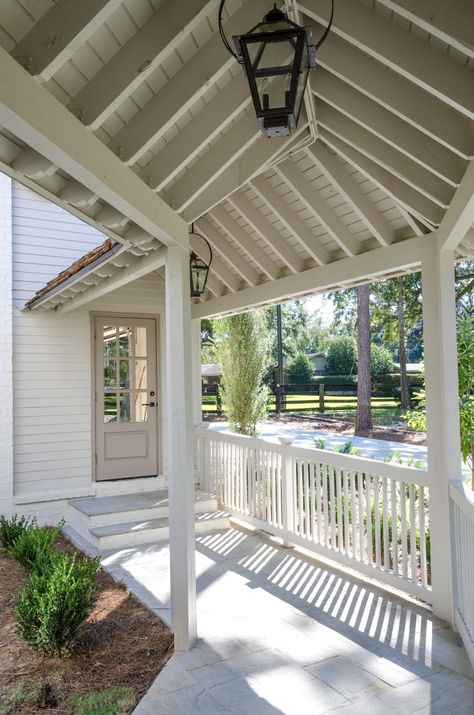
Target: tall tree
405 396
363 420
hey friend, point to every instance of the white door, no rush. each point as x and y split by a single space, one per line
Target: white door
126 399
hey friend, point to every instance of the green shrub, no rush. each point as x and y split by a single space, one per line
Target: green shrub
55 602
12 529
33 547
116 700
342 356
381 362
319 442
300 369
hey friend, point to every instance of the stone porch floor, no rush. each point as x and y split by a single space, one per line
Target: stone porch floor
282 634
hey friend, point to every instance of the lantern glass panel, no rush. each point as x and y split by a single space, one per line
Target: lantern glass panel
198 278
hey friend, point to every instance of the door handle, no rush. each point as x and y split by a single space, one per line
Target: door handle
148 404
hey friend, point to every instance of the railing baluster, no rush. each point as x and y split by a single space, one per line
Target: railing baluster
386 527
347 525
422 522
324 475
403 518
394 510
376 508
368 510
413 559
360 498
353 512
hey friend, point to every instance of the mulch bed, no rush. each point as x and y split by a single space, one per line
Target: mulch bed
123 643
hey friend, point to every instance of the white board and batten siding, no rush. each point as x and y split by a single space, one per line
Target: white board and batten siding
52 374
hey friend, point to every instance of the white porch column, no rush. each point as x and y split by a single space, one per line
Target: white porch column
442 411
6 341
197 381
180 447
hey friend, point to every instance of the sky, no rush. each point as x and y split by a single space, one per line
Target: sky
319 304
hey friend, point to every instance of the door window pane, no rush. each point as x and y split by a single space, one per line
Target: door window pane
140 374
109 373
125 342
125 373
140 342
110 340
125 407
141 409
110 407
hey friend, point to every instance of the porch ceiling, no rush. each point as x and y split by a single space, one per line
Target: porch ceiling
133 115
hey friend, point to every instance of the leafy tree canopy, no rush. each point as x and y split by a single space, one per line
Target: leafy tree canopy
300 369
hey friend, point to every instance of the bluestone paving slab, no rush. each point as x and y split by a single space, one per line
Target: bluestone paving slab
283 634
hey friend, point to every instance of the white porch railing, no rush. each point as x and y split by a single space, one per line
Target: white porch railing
371 516
462 518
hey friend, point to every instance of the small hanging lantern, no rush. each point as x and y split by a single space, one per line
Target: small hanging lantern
277 55
198 269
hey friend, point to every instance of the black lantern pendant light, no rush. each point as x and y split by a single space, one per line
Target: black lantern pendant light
198 269
277 55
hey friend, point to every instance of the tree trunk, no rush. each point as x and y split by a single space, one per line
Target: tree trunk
364 382
405 396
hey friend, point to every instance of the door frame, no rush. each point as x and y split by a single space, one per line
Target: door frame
156 317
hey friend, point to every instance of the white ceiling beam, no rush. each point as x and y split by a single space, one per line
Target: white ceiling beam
459 218
404 99
219 243
450 22
225 152
386 126
65 28
293 223
139 268
249 245
188 84
364 267
197 134
400 192
311 198
31 113
137 59
402 51
267 231
261 154
384 154
351 193
224 274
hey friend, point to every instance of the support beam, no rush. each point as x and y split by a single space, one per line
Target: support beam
180 448
350 192
365 266
64 29
141 267
428 68
242 238
229 279
267 231
138 58
319 207
385 155
400 192
459 217
290 220
185 87
196 135
31 113
399 96
442 416
400 135
450 22
262 154
224 153
220 244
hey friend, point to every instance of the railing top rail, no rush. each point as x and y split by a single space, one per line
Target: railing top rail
350 462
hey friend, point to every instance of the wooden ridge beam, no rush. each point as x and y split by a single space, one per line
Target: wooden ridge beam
267 231
188 84
242 238
319 207
293 223
219 243
402 51
31 113
53 40
137 59
401 193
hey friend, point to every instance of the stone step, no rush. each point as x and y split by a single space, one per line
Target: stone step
148 531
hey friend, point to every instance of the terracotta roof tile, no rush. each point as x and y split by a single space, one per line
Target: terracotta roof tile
78 265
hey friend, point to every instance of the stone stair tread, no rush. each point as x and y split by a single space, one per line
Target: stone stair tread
146 525
97 506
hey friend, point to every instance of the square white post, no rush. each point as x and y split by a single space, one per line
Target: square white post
442 417
180 447
197 380
6 353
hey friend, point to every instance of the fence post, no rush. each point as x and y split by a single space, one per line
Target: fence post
321 397
287 496
218 400
278 399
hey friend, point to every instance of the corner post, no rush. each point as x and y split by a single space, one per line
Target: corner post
442 417
6 355
180 447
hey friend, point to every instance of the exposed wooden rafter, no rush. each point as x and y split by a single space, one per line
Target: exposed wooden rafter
219 243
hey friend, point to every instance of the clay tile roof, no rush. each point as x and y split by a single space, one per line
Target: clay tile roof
78 265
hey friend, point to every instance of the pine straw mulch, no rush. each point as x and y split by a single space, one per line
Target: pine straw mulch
122 643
